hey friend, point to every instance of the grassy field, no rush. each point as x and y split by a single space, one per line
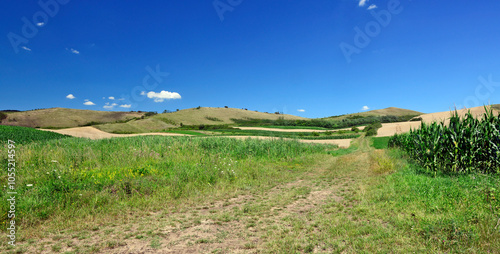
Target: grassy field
221 195
293 127
296 135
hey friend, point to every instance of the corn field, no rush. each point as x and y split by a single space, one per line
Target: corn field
466 145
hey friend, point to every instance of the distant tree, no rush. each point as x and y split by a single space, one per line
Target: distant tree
198 107
177 110
151 113
226 107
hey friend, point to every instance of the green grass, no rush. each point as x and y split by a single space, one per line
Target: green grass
292 127
446 214
24 135
194 133
293 197
75 178
380 142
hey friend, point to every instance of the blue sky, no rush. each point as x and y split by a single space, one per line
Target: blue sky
308 58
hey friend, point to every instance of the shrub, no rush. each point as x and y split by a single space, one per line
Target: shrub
355 129
2 116
215 119
151 113
371 130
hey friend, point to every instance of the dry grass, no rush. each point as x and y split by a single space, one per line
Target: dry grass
64 117
391 111
191 116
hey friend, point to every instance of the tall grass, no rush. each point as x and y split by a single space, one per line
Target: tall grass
466 145
78 177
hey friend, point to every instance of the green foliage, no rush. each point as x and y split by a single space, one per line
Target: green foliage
204 127
355 129
371 130
168 121
466 145
280 134
151 113
324 123
24 135
380 142
215 119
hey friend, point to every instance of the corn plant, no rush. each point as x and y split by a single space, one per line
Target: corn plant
465 145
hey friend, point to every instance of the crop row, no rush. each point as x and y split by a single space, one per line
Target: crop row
467 144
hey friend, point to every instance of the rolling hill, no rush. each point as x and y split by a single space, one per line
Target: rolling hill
192 116
65 118
391 111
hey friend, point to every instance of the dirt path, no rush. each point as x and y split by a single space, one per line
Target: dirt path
263 221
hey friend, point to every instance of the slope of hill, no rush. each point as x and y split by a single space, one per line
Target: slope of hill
192 116
389 129
65 118
391 111
445 115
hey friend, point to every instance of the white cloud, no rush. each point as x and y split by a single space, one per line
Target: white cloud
126 106
365 108
40 24
111 97
371 7
363 2
301 110
163 95
109 106
88 103
121 99
26 48
70 96
143 93
74 51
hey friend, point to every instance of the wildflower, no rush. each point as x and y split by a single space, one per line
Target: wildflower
59 177
54 161
29 185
